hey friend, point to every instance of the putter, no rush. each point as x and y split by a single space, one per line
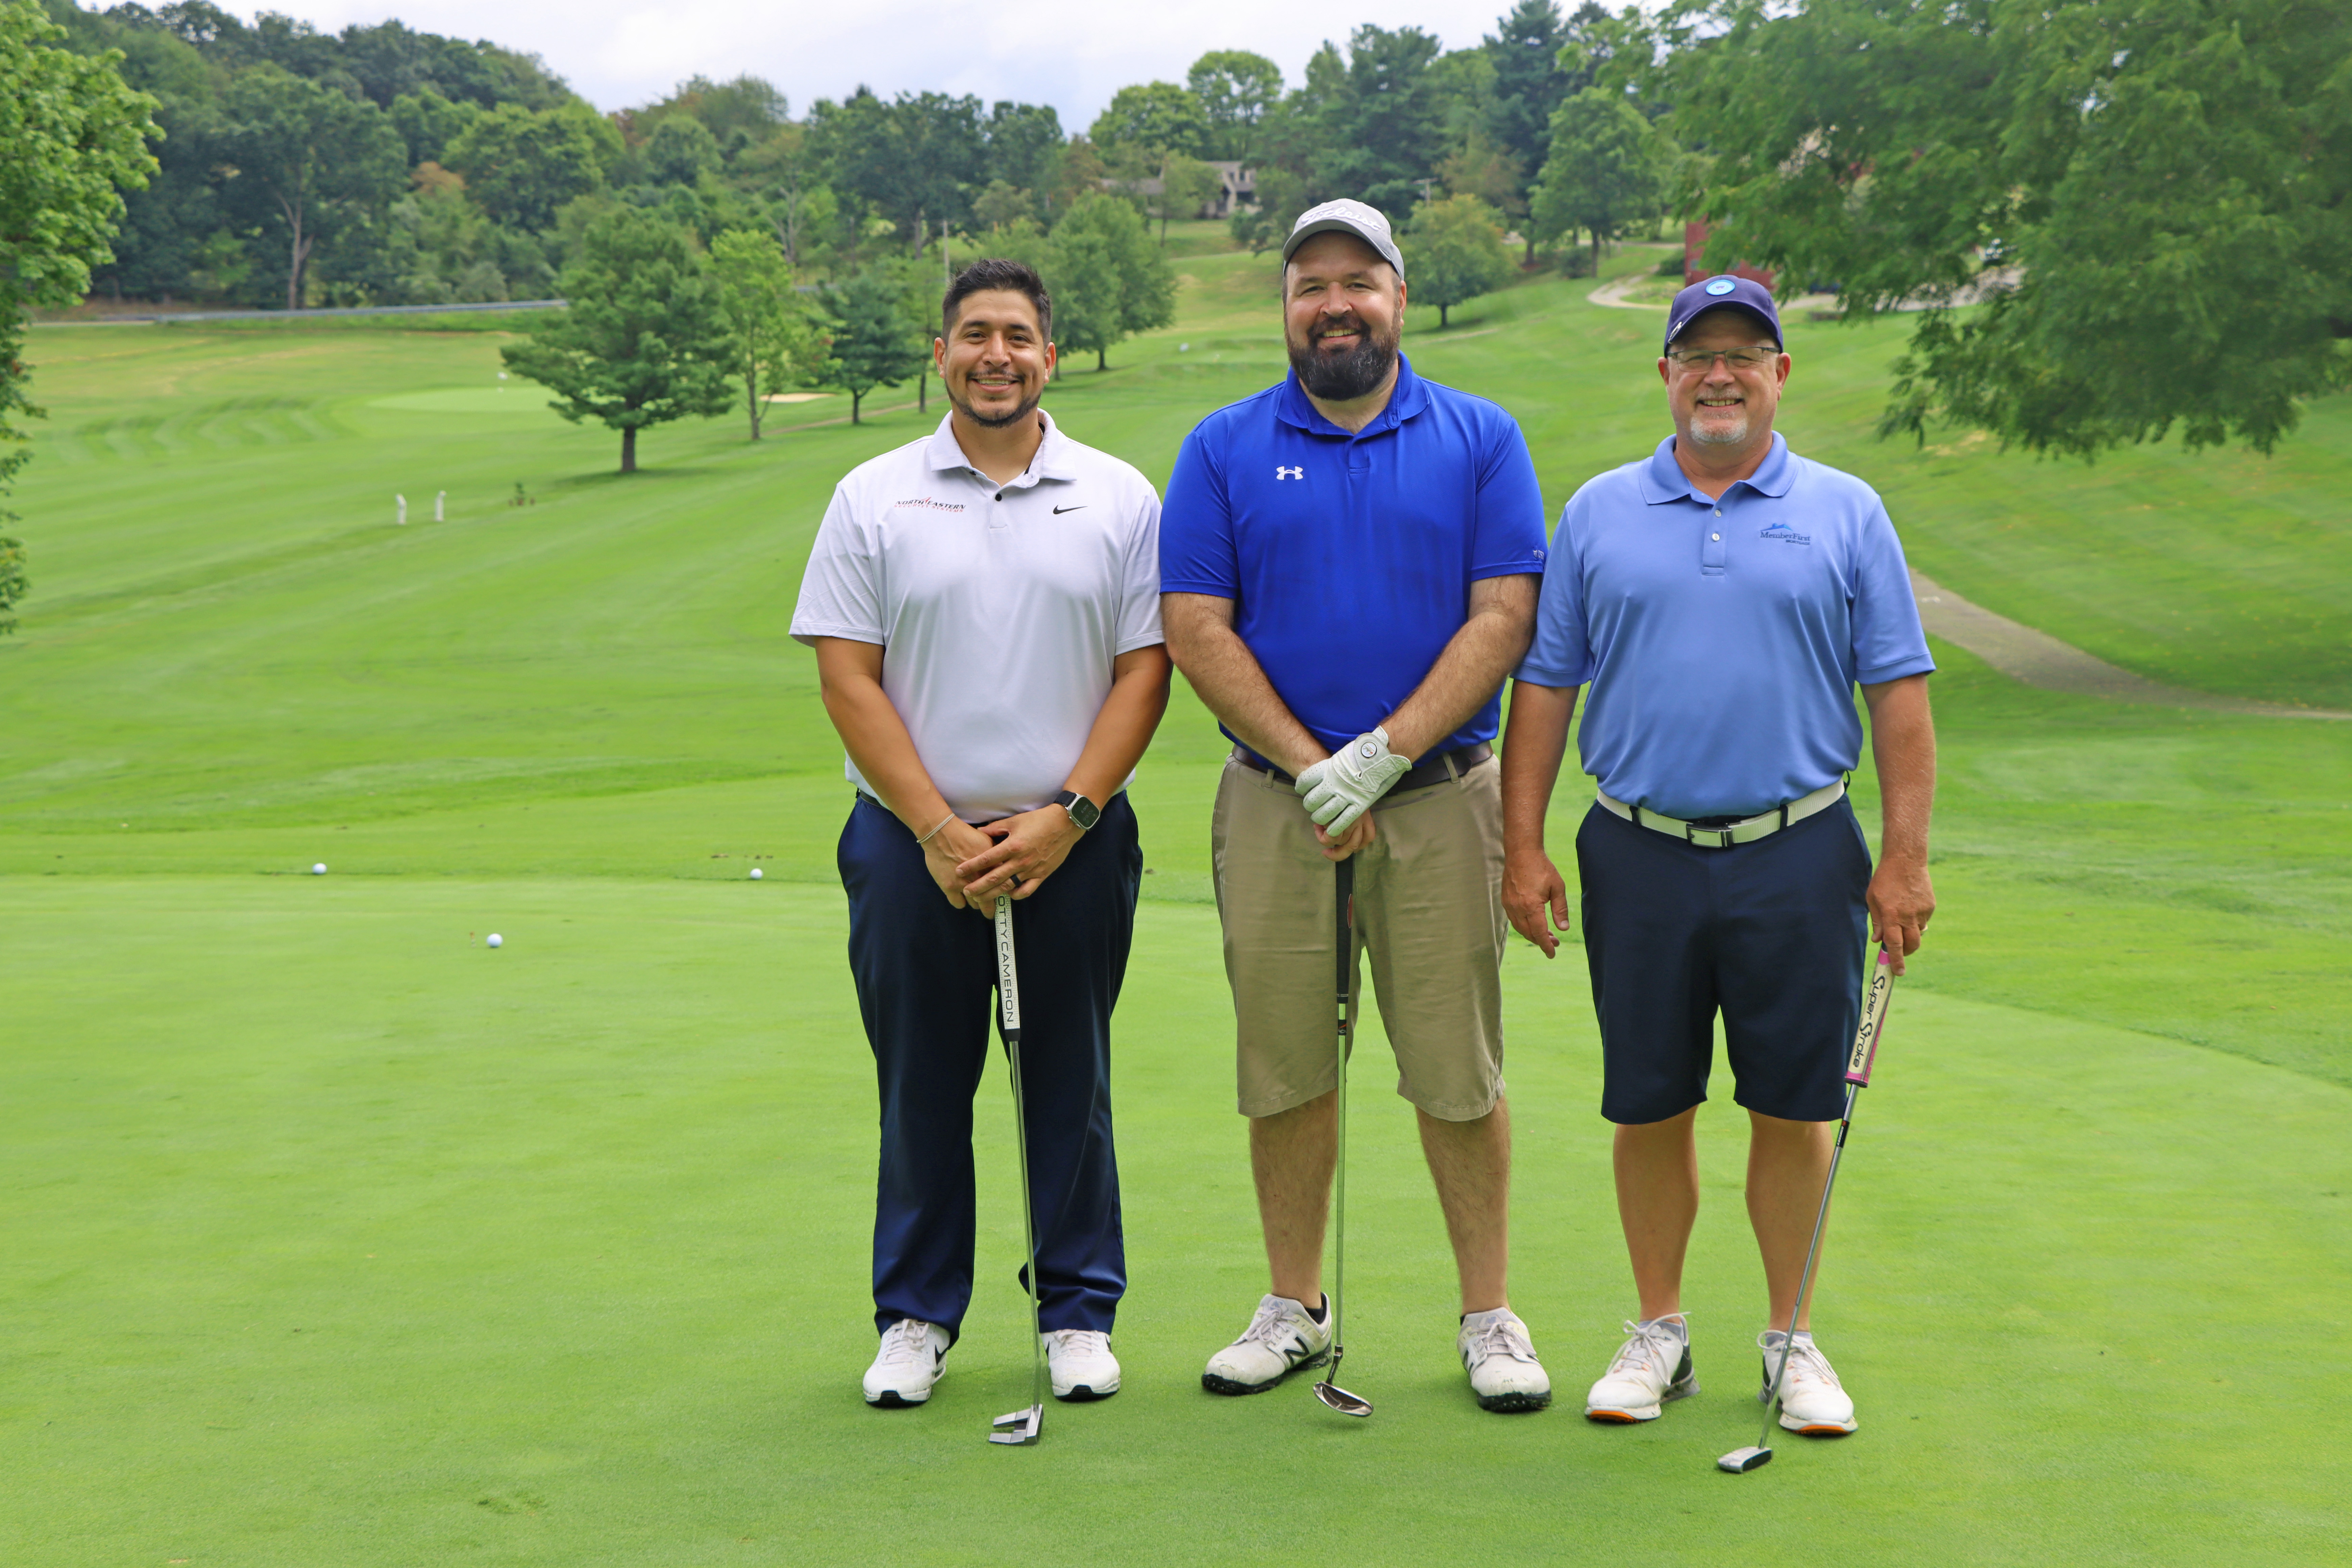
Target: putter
1021 1427
1328 1391
1739 1461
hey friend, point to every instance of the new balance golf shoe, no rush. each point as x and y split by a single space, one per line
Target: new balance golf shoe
1501 1361
1282 1337
914 1355
1080 1363
1652 1367
1812 1401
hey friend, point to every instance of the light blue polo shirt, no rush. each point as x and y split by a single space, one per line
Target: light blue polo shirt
1723 638
1349 555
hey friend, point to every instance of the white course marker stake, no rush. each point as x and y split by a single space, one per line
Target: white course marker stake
400 511
440 499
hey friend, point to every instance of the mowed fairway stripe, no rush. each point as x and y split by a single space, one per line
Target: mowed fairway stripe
335 1236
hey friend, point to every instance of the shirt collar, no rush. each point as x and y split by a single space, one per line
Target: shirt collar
1409 399
944 453
1663 479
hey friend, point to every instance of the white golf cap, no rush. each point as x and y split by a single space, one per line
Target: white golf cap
1368 223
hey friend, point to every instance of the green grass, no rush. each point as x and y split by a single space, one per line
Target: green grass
335 1237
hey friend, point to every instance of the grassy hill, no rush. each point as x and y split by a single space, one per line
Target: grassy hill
335 1236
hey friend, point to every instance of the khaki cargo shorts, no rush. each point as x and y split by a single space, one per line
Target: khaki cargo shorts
1428 908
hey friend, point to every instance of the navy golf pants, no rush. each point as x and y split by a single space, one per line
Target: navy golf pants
925 976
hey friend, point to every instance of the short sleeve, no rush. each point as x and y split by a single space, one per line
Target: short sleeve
1139 600
1561 654
1889 643
841 593
1509 537
1196 526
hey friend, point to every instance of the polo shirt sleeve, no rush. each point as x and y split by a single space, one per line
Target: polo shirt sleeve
841 591
1889 643
1561 654
1508 540
1138 597
1196 526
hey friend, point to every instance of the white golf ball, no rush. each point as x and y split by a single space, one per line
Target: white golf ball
319 869
497 940
755 873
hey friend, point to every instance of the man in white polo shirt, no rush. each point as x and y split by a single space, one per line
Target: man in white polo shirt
984 604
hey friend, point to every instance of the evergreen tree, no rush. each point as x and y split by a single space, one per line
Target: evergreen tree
642 341
873 343
1110 281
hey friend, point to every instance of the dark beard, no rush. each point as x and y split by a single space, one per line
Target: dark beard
1342 378
997 422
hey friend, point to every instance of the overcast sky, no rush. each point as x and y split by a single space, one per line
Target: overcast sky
1072 54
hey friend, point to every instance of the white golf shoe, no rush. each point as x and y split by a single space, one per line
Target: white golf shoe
1080 1363
1281 1338
1501 1361
1652 1367
914 1355
1812 1401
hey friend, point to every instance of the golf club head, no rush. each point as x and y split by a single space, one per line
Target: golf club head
1020 1427
1739 1461
1340 1400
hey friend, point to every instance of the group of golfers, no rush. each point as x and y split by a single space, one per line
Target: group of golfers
1347 567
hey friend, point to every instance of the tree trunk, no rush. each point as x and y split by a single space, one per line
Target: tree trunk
752 387
854 399
1442 322
1102 359
629 450
1530 238
922 391
299 254
1596 256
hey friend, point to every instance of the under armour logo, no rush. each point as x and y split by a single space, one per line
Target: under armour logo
1282 473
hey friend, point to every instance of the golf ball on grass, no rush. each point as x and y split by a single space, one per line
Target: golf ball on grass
319 869
755 873
497 940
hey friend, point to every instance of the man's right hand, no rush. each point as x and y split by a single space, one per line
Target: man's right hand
1532 888
949 848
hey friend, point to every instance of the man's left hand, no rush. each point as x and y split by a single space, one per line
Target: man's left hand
1029 849
1902 901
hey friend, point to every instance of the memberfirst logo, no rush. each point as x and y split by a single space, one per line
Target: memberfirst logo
1785 534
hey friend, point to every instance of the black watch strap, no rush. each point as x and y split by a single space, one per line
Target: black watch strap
1083 812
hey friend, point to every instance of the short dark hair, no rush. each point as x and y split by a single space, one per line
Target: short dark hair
994 273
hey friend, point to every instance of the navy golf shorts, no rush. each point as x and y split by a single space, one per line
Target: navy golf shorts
1769 934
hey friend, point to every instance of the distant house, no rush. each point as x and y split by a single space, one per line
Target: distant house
1694 250
1236 187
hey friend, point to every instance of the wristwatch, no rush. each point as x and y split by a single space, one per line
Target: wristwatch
1083 812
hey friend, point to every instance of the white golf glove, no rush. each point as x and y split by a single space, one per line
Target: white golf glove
1341 788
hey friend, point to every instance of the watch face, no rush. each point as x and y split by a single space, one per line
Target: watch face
1083 812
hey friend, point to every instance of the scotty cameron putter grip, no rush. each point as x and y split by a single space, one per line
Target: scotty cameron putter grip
1874 998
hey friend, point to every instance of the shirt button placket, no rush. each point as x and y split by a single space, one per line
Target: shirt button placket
1711 558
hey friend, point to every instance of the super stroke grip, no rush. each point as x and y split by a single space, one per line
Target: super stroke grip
1874 998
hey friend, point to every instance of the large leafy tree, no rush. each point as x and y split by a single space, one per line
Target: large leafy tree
642 341
1149 119
875 341
74 133
1608 167
1455 254
2154 199
306 161
1235 89
1382 120
774 342
1108 281
522 164
1541 58
916 161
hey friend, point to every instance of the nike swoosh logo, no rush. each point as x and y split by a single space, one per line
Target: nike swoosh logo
1060 510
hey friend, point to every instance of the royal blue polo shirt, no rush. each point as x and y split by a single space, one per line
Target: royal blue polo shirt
1723 636
1349 555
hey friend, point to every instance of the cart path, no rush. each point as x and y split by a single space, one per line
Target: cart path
2040 659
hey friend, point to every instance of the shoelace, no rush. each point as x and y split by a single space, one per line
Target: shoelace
1079 1341
1805 1361
1504 1337
1645 1347
906 1342
1269 1327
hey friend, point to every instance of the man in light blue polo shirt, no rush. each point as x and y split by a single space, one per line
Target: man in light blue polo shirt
1722 599
1349 565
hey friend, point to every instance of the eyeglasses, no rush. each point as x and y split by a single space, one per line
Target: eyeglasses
1738 359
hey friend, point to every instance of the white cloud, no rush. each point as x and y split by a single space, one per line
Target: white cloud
1072 54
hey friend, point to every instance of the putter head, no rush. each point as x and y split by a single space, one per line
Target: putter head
1020 1427
1739 1461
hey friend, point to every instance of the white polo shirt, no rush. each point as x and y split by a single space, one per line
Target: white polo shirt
999 607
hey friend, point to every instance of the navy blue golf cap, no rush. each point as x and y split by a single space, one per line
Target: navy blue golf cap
1713 294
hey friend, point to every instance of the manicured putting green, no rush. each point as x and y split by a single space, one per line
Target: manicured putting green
336 1238
512 397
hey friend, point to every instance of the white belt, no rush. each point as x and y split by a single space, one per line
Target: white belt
1744 831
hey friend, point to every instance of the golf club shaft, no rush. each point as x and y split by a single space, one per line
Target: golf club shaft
1345 883
1008 989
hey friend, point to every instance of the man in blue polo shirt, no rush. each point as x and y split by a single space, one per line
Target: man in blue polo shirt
1722 599
1349 565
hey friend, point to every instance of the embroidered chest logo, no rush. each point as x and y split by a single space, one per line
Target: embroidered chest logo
928 504
1282 473
1785 534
